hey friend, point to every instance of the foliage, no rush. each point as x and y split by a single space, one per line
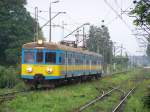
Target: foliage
121 60
148 50
147 100
138 98
99 41
137 107
16 28
8 77
20 86
142 14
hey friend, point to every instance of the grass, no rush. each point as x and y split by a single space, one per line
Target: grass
67 98
136 101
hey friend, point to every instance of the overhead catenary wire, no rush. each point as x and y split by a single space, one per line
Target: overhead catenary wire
116 17
40 17
120 17
117 4
117 14
74 21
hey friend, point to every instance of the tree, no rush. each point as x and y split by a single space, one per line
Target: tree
142 14
99 41
16 28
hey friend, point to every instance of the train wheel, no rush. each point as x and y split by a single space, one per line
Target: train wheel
36 86
96 76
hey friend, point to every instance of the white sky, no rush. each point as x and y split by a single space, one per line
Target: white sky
92 11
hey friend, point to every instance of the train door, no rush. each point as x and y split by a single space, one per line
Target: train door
73 63
66 63
90 63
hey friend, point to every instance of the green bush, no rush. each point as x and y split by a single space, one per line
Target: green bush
21 86
147 101
8 77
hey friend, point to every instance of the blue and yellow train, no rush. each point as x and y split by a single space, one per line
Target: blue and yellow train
49 63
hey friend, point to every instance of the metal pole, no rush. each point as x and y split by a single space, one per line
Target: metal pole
50 30
83 37
36 24
114 58
121 58
77 37
63 28
76 29
114 51
52 18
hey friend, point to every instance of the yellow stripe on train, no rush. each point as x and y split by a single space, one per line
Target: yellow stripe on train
54 70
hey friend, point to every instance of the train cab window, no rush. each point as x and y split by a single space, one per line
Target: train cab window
28 56
39 56
50 57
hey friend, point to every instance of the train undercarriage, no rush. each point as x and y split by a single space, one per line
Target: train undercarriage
40 82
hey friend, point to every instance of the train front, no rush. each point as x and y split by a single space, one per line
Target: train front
40 64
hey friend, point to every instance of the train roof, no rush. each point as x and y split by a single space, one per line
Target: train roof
57 46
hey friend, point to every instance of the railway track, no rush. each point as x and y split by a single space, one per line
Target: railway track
10 95
118 107
125 94
88 104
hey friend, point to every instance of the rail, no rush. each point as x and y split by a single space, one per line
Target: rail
95 100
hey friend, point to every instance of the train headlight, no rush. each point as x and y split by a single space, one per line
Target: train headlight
49 70
29 69
40 42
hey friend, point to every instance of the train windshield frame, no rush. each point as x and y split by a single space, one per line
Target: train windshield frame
41 56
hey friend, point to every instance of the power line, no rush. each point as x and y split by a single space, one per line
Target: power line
39 16
116 2
115 18
72 19
119 16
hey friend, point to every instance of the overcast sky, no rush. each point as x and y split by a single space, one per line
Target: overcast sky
92 11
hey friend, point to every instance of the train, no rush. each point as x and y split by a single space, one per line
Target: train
48 63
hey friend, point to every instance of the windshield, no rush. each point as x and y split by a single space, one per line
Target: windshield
28 56
39 56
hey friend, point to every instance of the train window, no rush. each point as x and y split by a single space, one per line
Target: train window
39 56
69 58
87 62
81 59
76 59
63 58
50 57
28 56
60 58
